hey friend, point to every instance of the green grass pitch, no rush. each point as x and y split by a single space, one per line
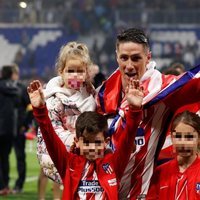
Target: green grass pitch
33 169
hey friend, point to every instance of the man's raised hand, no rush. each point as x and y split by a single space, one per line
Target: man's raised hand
134 94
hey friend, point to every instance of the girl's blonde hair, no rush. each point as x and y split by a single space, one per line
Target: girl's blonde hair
187 117
73 50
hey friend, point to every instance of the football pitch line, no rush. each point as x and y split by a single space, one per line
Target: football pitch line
28 179
31 179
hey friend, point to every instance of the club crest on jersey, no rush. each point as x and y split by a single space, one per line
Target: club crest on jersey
139 139
198 188
107 168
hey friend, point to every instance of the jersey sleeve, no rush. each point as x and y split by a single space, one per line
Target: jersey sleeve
124 142
55 146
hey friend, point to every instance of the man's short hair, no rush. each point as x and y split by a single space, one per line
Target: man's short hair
133 35
91 123
178 65
8 70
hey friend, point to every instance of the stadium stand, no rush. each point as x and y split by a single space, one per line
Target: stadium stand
44 26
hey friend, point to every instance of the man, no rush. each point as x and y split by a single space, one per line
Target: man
8 119
19 139
162 98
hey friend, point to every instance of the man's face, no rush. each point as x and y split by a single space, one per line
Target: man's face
185 140
74 74
93 147
132 59
15 76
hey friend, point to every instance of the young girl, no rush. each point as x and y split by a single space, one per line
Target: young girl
179 179
67 95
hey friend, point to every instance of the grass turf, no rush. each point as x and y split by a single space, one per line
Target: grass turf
33 169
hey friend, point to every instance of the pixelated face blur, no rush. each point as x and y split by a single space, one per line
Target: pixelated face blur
132 59
185 140
74 74
93 147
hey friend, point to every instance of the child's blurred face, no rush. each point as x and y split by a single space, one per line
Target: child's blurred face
185 140
93 147
74 74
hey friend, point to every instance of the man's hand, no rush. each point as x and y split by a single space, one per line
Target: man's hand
134 94
35 94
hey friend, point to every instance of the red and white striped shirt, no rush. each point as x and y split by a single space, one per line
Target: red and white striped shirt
163 96
89 187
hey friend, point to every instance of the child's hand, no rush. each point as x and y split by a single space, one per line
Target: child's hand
35 94
134 94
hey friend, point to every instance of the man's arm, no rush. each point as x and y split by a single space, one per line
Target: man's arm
188 94
125 142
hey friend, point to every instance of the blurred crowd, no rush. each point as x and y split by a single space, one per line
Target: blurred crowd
90 15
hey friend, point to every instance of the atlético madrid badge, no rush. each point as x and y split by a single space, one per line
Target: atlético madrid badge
107 168
198 188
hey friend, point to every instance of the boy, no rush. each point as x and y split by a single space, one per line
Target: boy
91 172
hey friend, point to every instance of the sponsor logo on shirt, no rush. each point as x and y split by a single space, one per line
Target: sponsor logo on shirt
89 186
112 182
107 168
